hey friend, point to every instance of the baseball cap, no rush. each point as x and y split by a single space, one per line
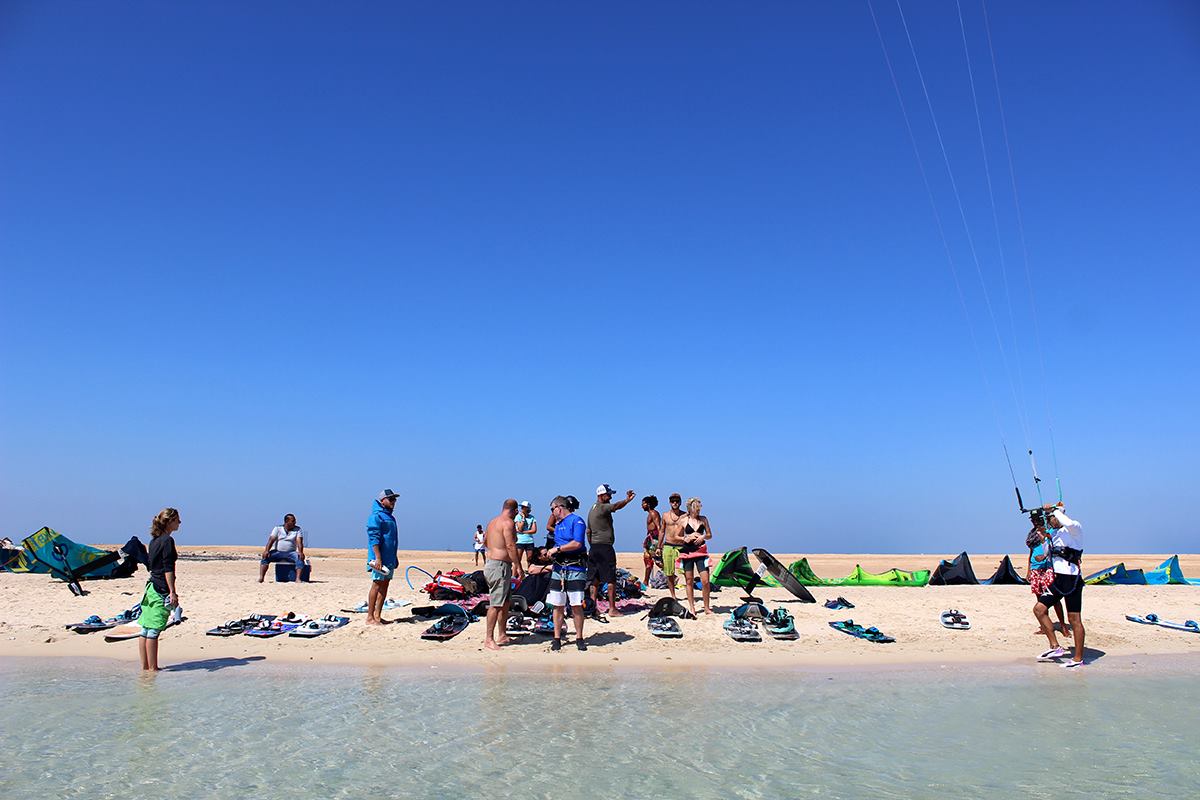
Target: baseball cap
386 493
525 504
604 488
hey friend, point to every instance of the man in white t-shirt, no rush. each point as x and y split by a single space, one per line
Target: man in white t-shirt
285 544
1066 539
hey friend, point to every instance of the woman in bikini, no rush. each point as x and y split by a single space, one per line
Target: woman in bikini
696 532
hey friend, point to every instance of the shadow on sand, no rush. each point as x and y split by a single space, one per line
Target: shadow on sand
213 664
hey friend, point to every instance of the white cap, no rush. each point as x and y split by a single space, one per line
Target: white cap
604 488
386 493
526 504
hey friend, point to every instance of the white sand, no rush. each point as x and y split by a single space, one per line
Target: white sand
34 609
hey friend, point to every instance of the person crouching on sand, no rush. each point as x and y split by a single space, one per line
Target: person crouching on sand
1066 538
500 544
382 558
160 599
568 579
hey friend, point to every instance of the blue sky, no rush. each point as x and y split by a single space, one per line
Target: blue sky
274 257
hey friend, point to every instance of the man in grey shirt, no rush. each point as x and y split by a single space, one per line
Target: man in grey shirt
602 552
285 544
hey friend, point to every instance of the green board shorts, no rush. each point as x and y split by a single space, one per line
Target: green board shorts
670 554
155 611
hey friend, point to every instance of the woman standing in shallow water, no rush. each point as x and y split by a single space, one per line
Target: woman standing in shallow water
160 598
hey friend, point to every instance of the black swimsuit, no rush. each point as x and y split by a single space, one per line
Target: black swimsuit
691 547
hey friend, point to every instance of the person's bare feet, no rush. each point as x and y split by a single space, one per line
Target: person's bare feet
708 611
503 640
490 645
374 622
615 613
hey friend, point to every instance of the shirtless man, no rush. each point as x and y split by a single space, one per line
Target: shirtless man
653 534
671 540
500 546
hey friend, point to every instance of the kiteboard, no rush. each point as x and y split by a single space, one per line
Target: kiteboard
742 630
664 628
1191 626
779 624
92 624
319 627
133 630
871 634
955 620
780 573
448 626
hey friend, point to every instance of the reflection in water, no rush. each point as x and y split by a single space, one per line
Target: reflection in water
350 732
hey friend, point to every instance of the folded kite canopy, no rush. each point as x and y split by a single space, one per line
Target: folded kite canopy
1006 573
859 577
806 576
1116 575
734 570
1169 571
49 551
956 572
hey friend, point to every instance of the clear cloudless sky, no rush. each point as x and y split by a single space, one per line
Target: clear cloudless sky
269 257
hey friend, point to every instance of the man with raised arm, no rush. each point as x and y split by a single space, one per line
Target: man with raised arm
500 545
602 540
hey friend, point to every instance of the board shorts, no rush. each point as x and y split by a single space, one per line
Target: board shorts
670 554
381 576
695 564
155 612
567 585
1069 589
499 580
603 558
525 547
1040 581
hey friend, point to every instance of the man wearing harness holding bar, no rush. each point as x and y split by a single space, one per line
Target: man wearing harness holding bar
1067 555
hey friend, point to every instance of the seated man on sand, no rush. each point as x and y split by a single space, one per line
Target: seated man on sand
285 544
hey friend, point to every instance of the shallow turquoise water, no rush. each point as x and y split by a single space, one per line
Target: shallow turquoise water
253 729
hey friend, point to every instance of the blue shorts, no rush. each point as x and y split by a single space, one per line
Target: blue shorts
381 576
150 633
283 558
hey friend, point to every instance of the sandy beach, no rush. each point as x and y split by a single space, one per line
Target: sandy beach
219 583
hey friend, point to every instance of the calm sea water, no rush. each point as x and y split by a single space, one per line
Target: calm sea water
225 729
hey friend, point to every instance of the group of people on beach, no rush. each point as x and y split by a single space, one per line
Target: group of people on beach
581 555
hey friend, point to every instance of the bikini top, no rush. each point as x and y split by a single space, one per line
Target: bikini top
690 530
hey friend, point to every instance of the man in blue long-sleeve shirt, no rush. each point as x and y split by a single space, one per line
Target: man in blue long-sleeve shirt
382 560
